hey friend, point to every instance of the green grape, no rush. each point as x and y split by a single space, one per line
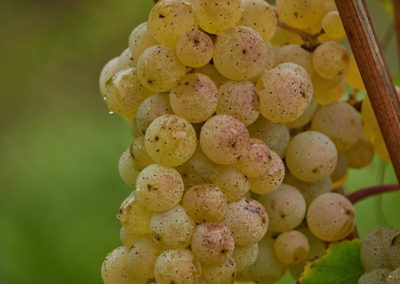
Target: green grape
375 248
360 154
256 162
125 60
284 37
232 182
296 54
394 251
240 53
140 39
195 48
238 99
311 156
260 16
341 168
169 19
127 168
154 106
159 69
300 13
340 122
306 117
106 74
285 207
220 273
224 139
172 229
330 95
247 221
244 256
194 98
215 16
393 277
353 76
275 135
376 276
332 25
331 217
133 216
284 93
139 154
330 59
212 243
177 266
114 269
135 131
272 179
205 203
170 140
159 188
142 257
128 238
291 247
210 71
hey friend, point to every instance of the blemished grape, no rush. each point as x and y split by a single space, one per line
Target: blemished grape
169 19
284 93
133 216
300 14
353 76
244 256
142 257
139 154
272 179
224 139
268 63
107 73
275 135
172 229
360 154
394 251
239 53
127 168
330 59
296 54
340 122
375 276
215 16
393 277
232 182
135 131
332 25
125 60
205 203
239 99
291 247
170 140
260 16
114 269
285 37
285 207
177 266
311 156
247 221
212 243
194 98
219 273
210 71
159 68
195 48
128 238
333 94
140 39
154 106
159 188
306 117
331 217
375 248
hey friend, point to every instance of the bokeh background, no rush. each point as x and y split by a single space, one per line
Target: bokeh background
59 184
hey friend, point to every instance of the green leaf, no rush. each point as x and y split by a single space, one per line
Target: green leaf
396 81
341 265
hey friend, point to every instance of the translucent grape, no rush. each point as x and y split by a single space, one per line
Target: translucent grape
331 217
128 168
260 16
333 94
135 131
224 139
291 247
128 238
306 117
340 122
215 16
195 48
107 73
219 273
139 154
170 140
140 39
159 188
205 203
353 76
361 154
330 59
244 256
194 98
296 54
300 14
375 276
172 229
322 84
239 53
154 106
169 19
380 147
238 99
125 60
311 156
284 37
332 25
370 124
159 68
393 277
247 221
285 207
177 266
212 243
394 251
210 71
284 93
232 182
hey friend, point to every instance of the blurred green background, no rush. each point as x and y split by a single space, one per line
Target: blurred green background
59 184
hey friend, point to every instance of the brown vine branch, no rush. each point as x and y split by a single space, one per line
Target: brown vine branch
371 191
396 10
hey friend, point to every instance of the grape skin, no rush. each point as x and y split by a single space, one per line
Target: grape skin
139 154
108 71
285 37
220 273
394 251
332 25
341 168
375 276
244 256
128 238
353 76
296 54
361 154
140 39
331 95
195 48
210 71
127 168
125 60
300 14
291 247
135 131
306 117
232 182
393 277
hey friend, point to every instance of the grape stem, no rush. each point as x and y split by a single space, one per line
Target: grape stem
370 191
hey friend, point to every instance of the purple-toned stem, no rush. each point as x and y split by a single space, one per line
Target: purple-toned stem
370 191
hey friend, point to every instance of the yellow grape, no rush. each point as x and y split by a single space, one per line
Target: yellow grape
330 59
330 95
219 273
332 25
232 182
341 168
353 76
300 13
128 238
284 37
135 131
125 60
296 54
140 39
127 167
244 256
139 154
106 74
291 247
306 117
361 154
195 48
210 71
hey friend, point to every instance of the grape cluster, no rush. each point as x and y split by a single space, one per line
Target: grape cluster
240 135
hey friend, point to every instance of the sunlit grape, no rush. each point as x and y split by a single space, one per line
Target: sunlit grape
140 39
300 14
332 25
296 54
330 59
353 76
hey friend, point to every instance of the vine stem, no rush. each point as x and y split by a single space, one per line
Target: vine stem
370 191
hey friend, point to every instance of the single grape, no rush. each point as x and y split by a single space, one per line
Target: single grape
170 140
106 74
394 251
296 54
285 37
360 154
195 48
125 60
370 124
135 131
210 71
128 238
232 182
393 277
219 273
375 276
300 14
127 167
332 25
291 247
306 117
353 76
323 84
330 59
139 154
244 256
159 188
331 95
140 39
